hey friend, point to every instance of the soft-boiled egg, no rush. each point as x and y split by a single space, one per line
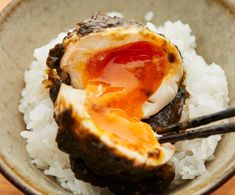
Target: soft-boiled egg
119 74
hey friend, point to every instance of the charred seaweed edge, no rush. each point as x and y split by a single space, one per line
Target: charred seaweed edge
54 57
53 64
153 184
100 21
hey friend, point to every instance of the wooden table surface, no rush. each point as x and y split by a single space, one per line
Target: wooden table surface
7 188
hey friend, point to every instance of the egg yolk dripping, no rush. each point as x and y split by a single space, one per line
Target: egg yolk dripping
118 81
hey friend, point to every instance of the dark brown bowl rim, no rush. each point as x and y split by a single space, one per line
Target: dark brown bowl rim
28 188
15 181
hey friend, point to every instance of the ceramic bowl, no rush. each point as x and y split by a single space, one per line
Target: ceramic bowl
25 25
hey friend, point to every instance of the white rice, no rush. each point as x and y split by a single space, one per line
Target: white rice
206 84
149 16
115 13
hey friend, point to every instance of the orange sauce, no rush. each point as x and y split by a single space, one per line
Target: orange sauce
118 81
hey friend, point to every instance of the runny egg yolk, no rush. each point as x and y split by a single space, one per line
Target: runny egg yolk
117 82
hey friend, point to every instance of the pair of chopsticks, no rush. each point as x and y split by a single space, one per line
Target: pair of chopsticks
177 132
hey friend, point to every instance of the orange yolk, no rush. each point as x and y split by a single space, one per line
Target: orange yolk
118 81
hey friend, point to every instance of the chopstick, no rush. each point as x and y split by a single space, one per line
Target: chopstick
203 120
197 133
177 131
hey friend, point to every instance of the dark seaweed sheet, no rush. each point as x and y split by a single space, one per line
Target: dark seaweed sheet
170 114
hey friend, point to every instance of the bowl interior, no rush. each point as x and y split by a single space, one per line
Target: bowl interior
30 24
